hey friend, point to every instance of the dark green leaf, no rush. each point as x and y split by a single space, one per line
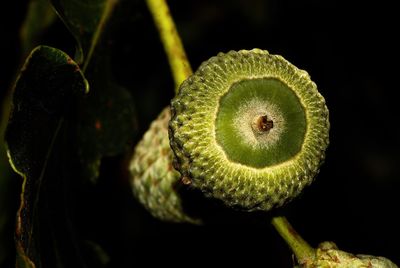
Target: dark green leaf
98 255
39 17
107 119
40 140
5 196
86 20
5 213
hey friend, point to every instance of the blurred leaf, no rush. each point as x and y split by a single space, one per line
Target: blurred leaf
39 17
107 119
99 256
40 140
86 20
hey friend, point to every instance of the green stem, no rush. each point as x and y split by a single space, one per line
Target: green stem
301 249
173 47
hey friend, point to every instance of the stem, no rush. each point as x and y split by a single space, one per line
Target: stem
301 249
178 61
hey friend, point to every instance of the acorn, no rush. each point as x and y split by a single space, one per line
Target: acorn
328 255
154 181
250 129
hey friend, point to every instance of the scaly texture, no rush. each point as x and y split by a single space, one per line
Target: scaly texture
329 256
249 128
153 178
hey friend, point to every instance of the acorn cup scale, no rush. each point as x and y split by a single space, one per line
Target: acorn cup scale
329 256
250 129
154 181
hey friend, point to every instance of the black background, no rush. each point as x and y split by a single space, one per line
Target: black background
350 50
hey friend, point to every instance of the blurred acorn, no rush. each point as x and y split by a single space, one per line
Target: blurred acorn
328 255
154 181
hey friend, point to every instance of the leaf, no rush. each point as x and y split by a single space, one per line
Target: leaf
39 17
5 213
86 20
107 119
99 256
6 194
40 142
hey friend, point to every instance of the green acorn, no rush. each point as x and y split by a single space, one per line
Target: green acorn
329 256
250 129
154 181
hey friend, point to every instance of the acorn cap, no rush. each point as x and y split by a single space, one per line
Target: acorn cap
250 129
154 181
